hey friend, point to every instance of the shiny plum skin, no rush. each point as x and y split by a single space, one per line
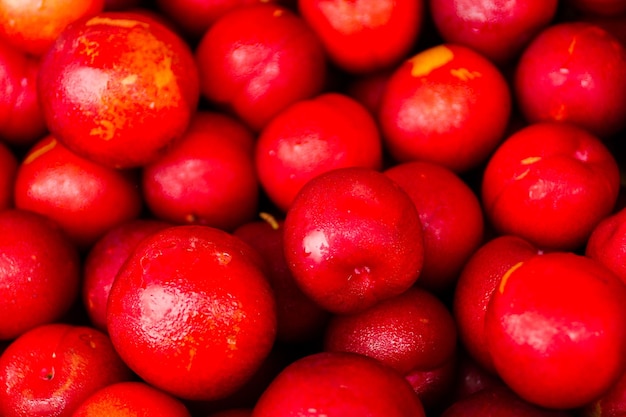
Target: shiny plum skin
543 176
52 368
21 117
195 301
477 282
257 60
360 247
337 384
607 243
555 329
118 88
365 36
131 399
104 260
207 177
84 198
311 137
573 72
33 26
446 104
39 272
451 217
499 30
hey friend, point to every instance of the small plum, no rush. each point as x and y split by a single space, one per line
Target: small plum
39 272
338 384
207 177
131 399
497 29
573 72
543 176
363 245
311 137
104 260
555 329
446 104
50 369
451 217
607 243
365 36
83 197
257 60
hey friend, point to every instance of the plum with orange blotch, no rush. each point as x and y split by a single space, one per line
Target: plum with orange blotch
191 312
118 88
446 104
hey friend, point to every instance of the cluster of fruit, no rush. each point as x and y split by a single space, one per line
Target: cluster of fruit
321 208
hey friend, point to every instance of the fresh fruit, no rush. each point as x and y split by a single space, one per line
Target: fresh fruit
360 247
447 104
257 60
207 178
555 329
191 312
118 88
84 198
311 137
39 272
573 72
545 175
131 399
365 36
50 369
335 384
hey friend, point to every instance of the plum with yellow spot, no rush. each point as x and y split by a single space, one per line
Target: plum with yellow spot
545 175
555 329
118 88
446 104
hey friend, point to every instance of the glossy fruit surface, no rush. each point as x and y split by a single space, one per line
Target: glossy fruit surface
84 198
365 36
446 104
555 329
257 60
207 177
39 272
363 246
311 137
52 368
199 309
572 72
338 384
131 399
118 88
543 176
